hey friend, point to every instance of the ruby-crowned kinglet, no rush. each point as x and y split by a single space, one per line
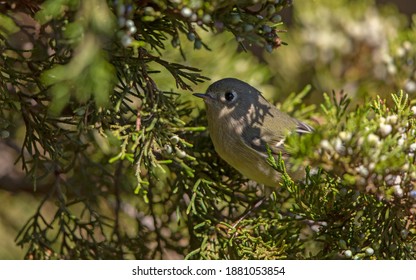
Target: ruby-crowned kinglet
242 124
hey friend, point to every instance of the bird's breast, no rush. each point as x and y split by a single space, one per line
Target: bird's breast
228 141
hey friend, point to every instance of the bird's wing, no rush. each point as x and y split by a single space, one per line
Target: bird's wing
303 128
259 140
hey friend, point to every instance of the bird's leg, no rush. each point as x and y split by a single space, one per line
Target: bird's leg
250 210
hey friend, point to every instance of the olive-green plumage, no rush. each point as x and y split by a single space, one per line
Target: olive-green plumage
242 124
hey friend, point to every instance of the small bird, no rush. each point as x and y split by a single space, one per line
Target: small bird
242 123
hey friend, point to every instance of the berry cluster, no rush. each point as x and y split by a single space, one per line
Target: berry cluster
252 22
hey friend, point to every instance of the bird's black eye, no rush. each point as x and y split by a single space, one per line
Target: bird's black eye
229 96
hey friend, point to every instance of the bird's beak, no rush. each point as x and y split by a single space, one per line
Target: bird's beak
205 96
200 95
